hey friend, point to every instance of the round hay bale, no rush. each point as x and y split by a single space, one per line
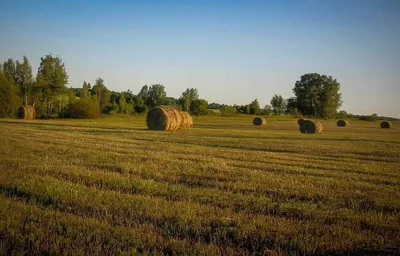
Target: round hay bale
259 121
386 124
310 126
27 113
300 121
342 123
164 118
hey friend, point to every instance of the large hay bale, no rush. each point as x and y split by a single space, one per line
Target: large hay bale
259 121
300 121
386 124
310 126
167 119
342 123
27 113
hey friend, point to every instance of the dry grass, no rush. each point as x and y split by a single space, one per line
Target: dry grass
224 187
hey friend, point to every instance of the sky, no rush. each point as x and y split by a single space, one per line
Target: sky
231 51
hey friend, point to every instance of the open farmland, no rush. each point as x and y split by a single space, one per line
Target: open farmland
110 186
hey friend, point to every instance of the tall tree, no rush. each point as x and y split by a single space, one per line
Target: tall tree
85 90
254 107
187 97
102 93
24 78
156 95
317 95
52 78
9 100
278 104
9 69
122 103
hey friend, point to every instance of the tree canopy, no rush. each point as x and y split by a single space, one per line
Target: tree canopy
317 95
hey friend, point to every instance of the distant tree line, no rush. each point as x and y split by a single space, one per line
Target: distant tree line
315 96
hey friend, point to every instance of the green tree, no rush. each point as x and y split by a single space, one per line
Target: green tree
254 107
101 93
317 95
187 97
52 78
122 104
199 107
24 78
156 95
85 90
278 104
10 69
9 100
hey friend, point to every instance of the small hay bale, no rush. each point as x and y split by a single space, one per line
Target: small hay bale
386 125
310 126
164 118
342 123
300 121
27 113
259 121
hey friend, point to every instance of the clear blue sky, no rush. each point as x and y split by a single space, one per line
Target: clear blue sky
231 51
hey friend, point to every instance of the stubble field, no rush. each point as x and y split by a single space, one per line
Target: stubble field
110 186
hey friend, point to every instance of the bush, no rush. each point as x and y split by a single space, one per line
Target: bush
111 109
227 111
83 108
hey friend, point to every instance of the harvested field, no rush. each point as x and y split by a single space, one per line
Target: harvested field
223 187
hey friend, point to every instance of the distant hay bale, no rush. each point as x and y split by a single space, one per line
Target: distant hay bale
164 118
342 123
300 121
309 126
27 113
386 124
259 121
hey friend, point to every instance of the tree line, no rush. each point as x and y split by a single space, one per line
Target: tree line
315 95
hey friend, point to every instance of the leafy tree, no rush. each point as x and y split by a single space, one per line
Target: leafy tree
52 78
9 100
317 95
187 97
10 69
101 93
129 108
24 78
144 92
291 106
85 90
199 107
140 104
254 107
278 104
156 95
122 104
